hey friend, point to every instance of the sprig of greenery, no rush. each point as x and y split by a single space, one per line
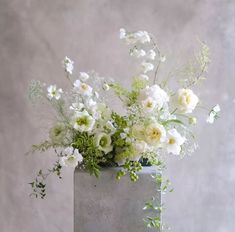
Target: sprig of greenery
39 186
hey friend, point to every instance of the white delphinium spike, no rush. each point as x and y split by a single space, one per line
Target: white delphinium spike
146 66
137 53
68 65
76 106
53 92
151 54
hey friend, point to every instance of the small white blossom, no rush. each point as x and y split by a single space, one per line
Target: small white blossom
110 127
68 65
106 87
213 114
83 121
151 54
143 77
132 38
71 159
146 66
53 92
174 141
142 36
162 59
122 33
123 135
82 88
186 100
76 106
83 76
137 52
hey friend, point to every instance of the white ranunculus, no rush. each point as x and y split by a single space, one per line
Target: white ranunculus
156 93
155 134
53 92
146 66
77 106
83 88
186 100
151 54
137 52
174 141
148 105
83 76
68 65
83 121
71 159
213 114
104 142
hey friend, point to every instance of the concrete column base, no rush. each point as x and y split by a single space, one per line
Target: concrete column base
108 205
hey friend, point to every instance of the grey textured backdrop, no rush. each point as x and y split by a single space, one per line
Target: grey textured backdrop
35 35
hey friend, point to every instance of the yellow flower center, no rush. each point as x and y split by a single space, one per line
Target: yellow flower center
149 104
155 134
84 86
171 141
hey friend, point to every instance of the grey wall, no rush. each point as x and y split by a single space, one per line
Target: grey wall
35 35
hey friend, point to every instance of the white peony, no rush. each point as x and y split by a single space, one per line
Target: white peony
148 105
156 93
155 134
174 141
151 54
72 157
83 121
83 76
213 114
53 92
186 100
104 142
82 88
68 65
146 66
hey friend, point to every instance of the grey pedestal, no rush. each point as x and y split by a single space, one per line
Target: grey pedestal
108 205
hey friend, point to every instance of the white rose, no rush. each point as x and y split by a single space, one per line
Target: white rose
186 100
148 104
155 134
156 93
174 141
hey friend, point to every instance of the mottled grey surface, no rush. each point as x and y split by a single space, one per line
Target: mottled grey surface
35 35
108 205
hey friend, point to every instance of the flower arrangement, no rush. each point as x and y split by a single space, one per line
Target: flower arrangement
157 121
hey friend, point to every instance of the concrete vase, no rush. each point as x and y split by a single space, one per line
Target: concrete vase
108 205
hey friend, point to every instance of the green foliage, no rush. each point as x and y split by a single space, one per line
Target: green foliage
85 143
131 167
39 186
41 147
170 121
35 91
138 84
119 90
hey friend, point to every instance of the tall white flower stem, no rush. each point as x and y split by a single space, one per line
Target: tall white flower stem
155 47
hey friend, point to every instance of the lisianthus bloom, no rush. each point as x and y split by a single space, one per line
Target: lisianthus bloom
213 114
57 133
158 95
82 88
68 65
103 142
186 100
174 141
71 157
155 134
83 121
53 92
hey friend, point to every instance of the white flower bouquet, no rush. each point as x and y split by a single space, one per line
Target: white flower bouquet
156 121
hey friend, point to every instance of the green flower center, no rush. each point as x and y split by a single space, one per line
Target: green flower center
82 121
103 142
